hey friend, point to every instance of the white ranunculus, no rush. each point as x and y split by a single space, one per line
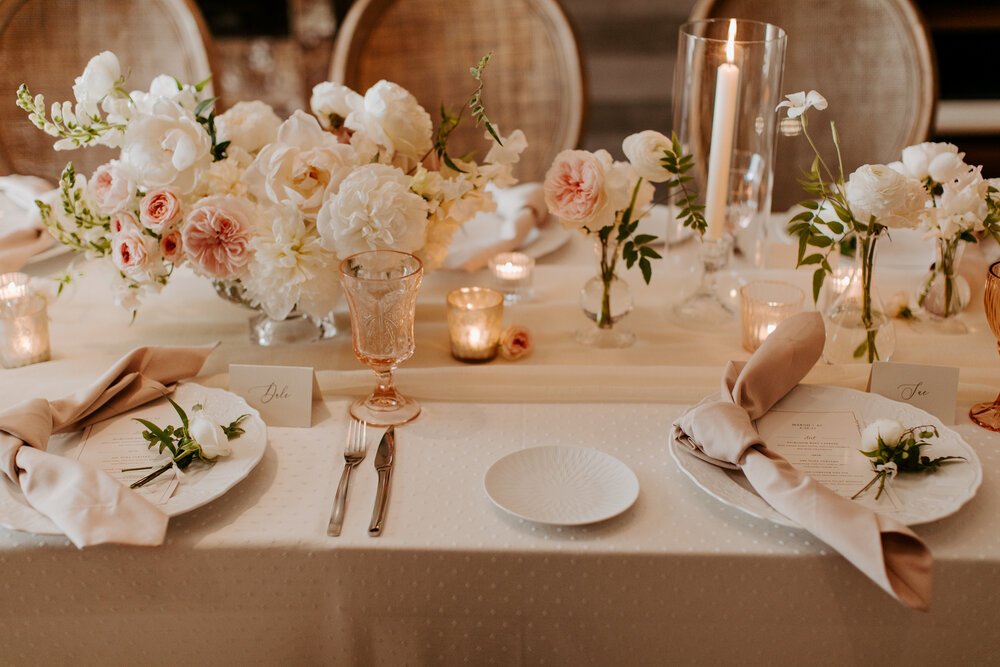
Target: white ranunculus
333 102
99 78
798 103
917 158
947 167
894 199
210 436
645 150
374 209
890 431
166 147
248 125
392 118
301 166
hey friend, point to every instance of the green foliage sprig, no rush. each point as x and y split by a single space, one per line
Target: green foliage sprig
904 455
690 213
450 121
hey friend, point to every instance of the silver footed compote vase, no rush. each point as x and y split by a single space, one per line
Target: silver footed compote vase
381 289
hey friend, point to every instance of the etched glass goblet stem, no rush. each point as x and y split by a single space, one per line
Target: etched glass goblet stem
381 288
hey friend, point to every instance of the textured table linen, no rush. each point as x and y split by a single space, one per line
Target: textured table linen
679 578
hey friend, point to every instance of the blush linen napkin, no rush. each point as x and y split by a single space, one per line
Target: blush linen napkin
22 234
720 430
87 504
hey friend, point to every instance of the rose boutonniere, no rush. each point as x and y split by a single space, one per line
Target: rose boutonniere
197 439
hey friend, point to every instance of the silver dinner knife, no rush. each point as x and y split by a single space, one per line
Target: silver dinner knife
383 464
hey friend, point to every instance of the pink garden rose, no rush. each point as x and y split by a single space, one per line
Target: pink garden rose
124 221
160 209
574 188
172 246
515 342
129 252
216 237
111 188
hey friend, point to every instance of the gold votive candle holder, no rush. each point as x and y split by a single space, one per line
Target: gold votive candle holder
764 304
475 315
512 274
24 331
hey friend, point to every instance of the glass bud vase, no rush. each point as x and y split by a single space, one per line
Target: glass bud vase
605 302
858 326
943 293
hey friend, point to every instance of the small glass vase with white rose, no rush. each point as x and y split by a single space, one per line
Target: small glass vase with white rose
604 198
265 208
874 199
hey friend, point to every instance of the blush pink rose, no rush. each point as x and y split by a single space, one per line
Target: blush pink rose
574 187
172 246
129 252
515 342
124 221
160 209
216 237
111 188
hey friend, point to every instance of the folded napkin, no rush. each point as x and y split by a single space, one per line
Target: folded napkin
22 234
520 210
720 430
85 503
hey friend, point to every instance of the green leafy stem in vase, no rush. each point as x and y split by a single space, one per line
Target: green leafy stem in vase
896 450
196 439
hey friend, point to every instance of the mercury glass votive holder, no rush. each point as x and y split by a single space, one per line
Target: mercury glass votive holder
14 284
24 331
512 274
475 315
764 304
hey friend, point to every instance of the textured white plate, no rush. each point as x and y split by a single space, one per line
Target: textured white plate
201 486
924 498
564 486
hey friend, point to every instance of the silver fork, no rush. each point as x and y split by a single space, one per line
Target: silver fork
354 453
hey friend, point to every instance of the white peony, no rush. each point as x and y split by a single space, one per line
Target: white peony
392 118
894 199
644 151
248 125
374 209
299 167
166 147
333 102
890 431
210 436
101 75
917 159
224 177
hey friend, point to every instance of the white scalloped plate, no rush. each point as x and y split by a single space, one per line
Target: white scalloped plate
924 498
562 486
201 486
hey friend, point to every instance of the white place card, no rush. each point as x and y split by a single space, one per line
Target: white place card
930 388
282 394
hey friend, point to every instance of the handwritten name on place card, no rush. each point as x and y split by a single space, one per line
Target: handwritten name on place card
930 388
282 394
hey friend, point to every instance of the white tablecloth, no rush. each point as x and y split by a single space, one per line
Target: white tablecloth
678 578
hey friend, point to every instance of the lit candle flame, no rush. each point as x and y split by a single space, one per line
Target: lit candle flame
731 41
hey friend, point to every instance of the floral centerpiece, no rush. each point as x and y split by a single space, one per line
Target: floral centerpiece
963 205
264 207
604 198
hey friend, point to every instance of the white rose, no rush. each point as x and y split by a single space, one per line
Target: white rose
166 147
894 199
332 103
300 166
645 150
889 429
620 179
374 209
392 118
111 188
99 78
248 125
210 436
917 158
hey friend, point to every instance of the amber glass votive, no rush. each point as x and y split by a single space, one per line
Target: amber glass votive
764 304
24 331
474 318
512 275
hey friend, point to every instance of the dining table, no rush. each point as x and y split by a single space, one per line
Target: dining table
679 577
